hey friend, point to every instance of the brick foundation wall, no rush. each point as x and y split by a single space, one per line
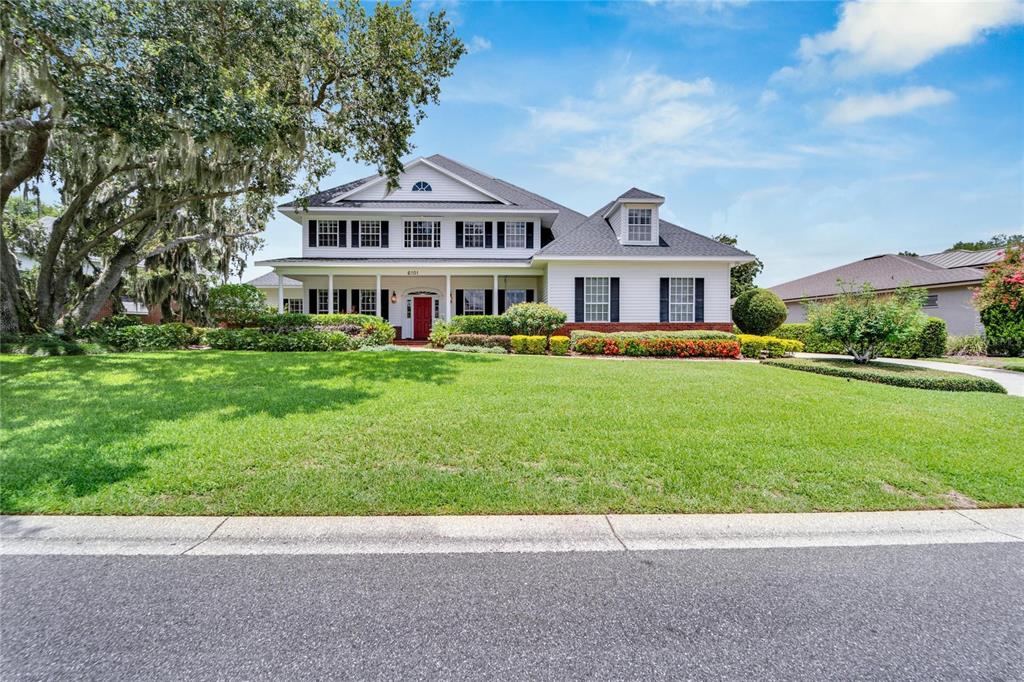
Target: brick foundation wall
643 327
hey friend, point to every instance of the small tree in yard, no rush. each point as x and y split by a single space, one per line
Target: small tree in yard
535 319
1000 300
863 321
236 303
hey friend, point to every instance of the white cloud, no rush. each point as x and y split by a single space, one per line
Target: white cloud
894 37
857 108
478 44
768 97
563 121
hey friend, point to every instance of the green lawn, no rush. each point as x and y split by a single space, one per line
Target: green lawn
1013 364
205 432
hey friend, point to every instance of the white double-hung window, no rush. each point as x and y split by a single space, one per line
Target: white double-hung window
515 235
368 301
292 305
597 299
639 224
327 233
680 299
422 234
473 235
369 233
473 302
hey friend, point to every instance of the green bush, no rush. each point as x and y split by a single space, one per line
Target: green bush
48 344
864 322
1004 330
878 374
490 325
439 334
528 345
495 350
152 337
304 340
372 330
966 345
559 345
752 345
813 342
383 349
758 311
929 342
694 334
481 340
534 319
236 303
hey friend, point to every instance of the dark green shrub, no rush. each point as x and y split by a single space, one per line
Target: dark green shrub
930 342
1004 330
559 345
879 374
491 325
152 337
758 311
495 340
236 303
534 319
48 344
304 340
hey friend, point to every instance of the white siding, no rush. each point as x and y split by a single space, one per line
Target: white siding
396 238
289 292
443 188
618 219
639 287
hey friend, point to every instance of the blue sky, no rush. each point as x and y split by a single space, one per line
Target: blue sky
817 133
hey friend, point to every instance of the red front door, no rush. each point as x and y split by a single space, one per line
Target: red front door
422 314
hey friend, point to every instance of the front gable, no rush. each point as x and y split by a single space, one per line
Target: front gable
434 185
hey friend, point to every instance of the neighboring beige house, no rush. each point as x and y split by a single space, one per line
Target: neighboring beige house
948 277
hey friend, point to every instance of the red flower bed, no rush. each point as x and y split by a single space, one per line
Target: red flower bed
664 347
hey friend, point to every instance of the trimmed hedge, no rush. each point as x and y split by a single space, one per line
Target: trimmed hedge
460 348
1004 330
368 330
752 345
658 347
529 345
559 345
758 311
493 341
152 337
695 334
930 342
802 332
534 319
301 340
489 325
882 375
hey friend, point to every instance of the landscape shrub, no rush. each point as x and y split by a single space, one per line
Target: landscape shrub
658 347
236 304
928 342
881 375
369 329
152 337
758 311
559 345
495 350
1004 330
490 325
752 345
1000 300
863 322
439 334
813 342
966 345
529 345
481 340
250 338
382 349
534 319
98 331
48 344
623 336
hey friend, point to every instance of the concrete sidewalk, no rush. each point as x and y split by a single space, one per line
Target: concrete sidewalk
156 535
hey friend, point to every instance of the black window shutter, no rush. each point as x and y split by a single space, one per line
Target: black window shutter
355 233
529 235
579 300
488 231
437 235
408 234
663 301
312 233
458 234
459 302
341 232
501 301
312 301
355 300
385 304
384 234
698 299
488 301
501 235
342 300
614 307
529 295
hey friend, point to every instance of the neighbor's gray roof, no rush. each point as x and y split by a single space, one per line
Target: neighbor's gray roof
595 237
961 259
636 193
270 280
881 272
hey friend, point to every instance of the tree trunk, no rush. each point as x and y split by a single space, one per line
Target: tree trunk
100 290
15 314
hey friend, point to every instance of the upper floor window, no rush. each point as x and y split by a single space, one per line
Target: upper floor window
515 235
680 299
327 233
639 225
422 186
422 234
473 235
369 233
597 299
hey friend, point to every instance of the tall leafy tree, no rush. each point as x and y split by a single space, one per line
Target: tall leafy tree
741 277
174 124
996 242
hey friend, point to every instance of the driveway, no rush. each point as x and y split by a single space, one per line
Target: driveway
1013 382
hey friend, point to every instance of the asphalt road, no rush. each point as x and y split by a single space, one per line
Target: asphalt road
911 612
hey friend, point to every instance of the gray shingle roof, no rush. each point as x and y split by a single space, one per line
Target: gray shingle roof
960 258
636 193
595 237
881 272
395 259
270 280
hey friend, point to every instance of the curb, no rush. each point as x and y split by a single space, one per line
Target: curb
220 535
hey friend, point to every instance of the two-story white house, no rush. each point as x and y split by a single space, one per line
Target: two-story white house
451 240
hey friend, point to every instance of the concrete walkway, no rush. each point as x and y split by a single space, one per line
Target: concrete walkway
209 535
1013 382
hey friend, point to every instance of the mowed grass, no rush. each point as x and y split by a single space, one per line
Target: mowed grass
449 433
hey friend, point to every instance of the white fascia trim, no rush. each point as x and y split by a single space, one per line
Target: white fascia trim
409 165
396 264
732 260
290 212
622 202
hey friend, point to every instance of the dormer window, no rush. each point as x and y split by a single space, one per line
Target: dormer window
639 225
422 186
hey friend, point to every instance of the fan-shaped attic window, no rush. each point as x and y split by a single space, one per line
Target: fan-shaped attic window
421 186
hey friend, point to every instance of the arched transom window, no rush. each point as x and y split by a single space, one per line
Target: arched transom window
421 186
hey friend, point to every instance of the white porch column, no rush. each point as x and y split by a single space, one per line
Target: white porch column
448 298
280 293
330 292
494 297
377 297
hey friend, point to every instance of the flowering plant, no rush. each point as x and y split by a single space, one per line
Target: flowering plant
1000 299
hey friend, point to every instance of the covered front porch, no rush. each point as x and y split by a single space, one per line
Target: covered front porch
410 298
